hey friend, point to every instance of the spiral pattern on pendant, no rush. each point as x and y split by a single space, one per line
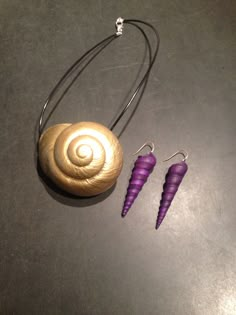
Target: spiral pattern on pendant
84 159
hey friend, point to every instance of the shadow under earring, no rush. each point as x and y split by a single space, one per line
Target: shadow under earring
174 177
143 167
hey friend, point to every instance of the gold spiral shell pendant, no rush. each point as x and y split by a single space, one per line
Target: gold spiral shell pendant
84 159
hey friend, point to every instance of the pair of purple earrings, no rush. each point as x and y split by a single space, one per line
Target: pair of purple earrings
143 167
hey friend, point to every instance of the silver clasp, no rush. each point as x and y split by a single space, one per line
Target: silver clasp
119 26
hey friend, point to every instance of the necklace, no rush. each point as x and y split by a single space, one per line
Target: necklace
86 158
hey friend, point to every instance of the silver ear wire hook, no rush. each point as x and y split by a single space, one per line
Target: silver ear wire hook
146 144
182 152
119 26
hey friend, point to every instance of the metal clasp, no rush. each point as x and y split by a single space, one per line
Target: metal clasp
119 26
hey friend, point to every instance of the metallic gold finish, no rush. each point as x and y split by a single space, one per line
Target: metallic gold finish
84 159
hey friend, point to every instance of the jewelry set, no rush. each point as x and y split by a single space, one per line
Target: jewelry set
86 158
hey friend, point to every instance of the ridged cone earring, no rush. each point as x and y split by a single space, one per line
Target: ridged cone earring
174 177
143 167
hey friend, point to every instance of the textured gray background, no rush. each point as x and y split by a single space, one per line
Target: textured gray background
60 255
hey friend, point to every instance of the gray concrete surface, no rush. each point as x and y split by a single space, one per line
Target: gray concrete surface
60 255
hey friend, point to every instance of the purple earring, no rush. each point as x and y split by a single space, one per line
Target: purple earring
143 167
173 180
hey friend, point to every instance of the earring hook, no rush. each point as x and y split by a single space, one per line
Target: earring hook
182 152
146 144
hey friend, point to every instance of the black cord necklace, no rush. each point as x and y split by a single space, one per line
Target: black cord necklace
86 158
96 50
